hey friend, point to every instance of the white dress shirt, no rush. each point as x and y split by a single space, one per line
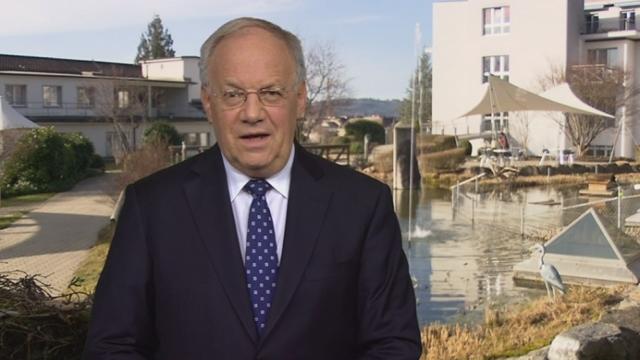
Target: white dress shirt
277 199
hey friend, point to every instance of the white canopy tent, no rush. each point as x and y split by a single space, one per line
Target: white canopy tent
502 96
11 119
11 125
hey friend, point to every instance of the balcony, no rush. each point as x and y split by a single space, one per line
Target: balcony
75 110
593 73
39 109
603 26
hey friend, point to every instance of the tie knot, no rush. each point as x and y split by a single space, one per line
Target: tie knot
257 187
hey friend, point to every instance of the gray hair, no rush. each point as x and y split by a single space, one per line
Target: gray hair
231 27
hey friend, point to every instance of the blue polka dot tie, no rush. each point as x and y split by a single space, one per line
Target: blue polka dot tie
261 258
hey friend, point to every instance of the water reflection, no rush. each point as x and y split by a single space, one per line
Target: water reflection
460 264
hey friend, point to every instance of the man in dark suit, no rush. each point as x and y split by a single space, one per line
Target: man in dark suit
255 249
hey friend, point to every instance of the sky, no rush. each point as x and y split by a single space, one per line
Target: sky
374 39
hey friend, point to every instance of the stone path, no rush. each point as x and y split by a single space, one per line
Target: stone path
53 239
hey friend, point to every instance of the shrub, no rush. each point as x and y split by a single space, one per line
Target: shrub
97 162
359 128
152 157
466 145
82 149
162 131
341 140
45 160
356 147
443 160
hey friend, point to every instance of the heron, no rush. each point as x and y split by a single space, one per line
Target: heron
549 273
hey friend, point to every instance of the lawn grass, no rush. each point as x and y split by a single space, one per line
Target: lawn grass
26 199
517 331
87 275
8 219
23 200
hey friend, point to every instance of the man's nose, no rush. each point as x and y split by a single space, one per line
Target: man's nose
252 108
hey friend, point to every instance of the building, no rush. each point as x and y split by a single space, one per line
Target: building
109 103
524 41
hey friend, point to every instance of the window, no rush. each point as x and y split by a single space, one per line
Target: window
123 98
86 97
592 23
496 20
501 121
599 150
16 95
196 139
495 65
52 96
607 57
628 20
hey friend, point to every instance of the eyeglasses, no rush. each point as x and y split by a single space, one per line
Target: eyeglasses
234 98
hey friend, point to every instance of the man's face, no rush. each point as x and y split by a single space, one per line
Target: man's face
255 138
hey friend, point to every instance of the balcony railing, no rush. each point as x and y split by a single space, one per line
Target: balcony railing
600 26
595 73
185 111
39 109
63 109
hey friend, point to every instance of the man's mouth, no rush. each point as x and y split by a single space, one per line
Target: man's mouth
258 136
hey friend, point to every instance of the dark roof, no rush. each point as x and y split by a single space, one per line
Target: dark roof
67 66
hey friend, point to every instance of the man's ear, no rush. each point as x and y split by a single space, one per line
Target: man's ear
207 102
301 100
206 99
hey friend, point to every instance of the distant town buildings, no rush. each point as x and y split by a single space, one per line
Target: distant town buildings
523 41
95 98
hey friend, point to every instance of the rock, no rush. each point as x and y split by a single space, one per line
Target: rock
594 341
626 316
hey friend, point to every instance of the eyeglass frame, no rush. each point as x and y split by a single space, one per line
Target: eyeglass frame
245 95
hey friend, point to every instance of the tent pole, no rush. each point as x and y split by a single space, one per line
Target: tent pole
491 101
615 141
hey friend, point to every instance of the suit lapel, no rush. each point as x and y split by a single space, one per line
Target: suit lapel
208 196
306 208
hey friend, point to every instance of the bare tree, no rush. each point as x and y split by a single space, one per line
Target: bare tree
124 105
327 86
519 126
604 88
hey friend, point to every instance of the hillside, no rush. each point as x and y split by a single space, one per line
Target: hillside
363 107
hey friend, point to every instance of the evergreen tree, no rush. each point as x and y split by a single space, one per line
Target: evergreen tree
422 116
156 43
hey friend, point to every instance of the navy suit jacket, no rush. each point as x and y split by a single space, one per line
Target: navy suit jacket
173 286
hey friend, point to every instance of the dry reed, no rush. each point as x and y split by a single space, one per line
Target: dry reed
517 331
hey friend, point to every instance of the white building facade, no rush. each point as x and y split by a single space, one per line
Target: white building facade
87 97
525 41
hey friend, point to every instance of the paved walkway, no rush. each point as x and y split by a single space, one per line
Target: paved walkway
53 239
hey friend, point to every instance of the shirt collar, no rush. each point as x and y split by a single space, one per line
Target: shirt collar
280 181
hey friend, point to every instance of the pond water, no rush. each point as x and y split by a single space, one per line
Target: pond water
460 265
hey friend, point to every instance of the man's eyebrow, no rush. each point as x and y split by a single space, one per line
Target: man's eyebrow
232 84
267 85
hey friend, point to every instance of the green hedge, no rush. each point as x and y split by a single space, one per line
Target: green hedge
466 145
162 131
357 129
46 161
